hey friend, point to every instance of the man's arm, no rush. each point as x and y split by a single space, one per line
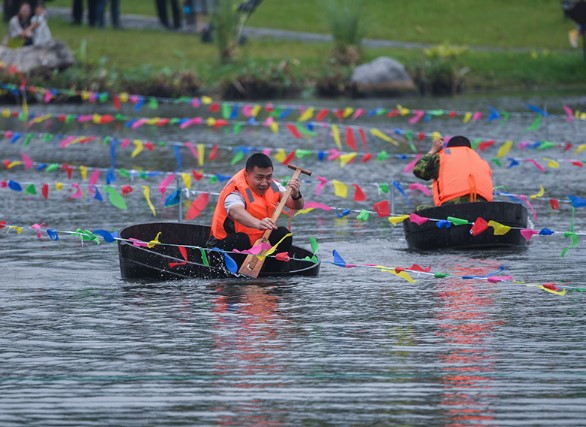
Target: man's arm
428 166
239 214
295 200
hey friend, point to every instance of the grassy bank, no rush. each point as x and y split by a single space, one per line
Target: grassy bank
110 59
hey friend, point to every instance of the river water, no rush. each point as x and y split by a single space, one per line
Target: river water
354 346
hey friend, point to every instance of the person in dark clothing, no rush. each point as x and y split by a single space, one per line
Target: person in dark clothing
77 12
114 13
162 13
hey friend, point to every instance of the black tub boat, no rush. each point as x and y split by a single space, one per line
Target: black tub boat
428 236
164 262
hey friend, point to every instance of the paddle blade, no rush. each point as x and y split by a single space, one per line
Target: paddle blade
251 266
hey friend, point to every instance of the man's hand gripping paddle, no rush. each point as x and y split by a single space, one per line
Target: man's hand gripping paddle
253 263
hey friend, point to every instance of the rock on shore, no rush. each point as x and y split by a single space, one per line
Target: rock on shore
383 76
53 55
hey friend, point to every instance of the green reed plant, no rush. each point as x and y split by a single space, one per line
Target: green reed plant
225 29
346 23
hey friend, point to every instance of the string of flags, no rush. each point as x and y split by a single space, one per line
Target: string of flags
198 151
280 111
405 273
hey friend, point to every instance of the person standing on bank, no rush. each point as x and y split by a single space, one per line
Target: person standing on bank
246 204
459 174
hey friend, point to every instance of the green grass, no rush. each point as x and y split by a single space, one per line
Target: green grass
501 23
536 24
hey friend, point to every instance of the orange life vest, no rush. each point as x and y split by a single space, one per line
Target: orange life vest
462 172
258 206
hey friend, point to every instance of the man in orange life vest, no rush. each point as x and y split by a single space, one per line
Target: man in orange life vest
246 205
459 174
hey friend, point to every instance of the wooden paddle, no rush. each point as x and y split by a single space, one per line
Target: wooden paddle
252 264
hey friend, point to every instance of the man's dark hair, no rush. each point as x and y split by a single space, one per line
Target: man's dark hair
259 160
459 141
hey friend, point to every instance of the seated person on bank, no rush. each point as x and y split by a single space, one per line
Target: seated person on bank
20 28
459 174
42 34
246 205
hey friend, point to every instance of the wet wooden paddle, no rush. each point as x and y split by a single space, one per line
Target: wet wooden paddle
253 263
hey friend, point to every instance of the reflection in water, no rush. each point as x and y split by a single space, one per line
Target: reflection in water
246 335
465 325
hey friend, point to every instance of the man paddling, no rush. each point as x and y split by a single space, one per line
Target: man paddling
246 204
459 174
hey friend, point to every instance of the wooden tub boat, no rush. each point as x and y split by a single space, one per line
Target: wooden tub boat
166 262
428 235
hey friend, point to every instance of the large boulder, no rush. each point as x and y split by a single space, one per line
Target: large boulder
383 76
53 55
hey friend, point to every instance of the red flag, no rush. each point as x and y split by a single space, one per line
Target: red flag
350 138
45 191
183 254
358 193
214 152
127 189
116 102
554 204
367 157
322 115
363 138
197 206
382 208
479 226
198 176
215 107
294 131
290 157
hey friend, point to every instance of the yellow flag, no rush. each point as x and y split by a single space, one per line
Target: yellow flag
200 154
280 155
404 275
138 148
211 121
340 189
347 158
348 112
155 241
256 109
580 148
146 191
206 100
397 219
6 113
403 111
504 149
435 135
15 228
186 179
307 114
96 118
551 291
467 117
540 193
551 163
274 248
303 211
123 97
83 172
384 137
14 163
58 186
274 127
336 135
499 229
